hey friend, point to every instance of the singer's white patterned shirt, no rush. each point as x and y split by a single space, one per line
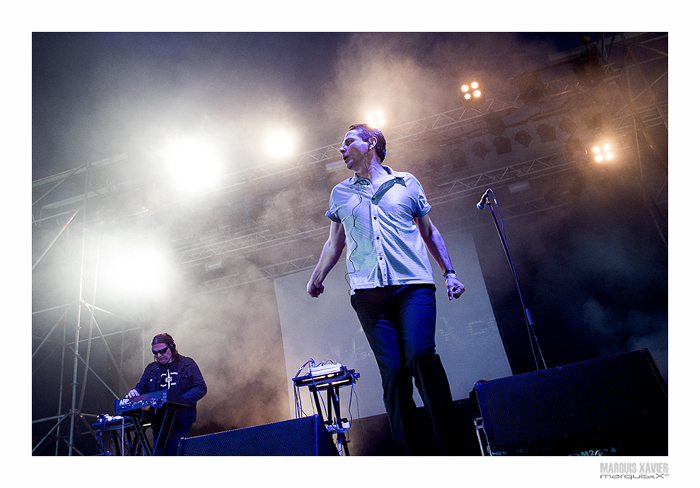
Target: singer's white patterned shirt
384 246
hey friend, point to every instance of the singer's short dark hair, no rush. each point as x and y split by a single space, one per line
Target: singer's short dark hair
367 131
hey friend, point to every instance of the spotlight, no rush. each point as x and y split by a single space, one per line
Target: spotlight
280 144
472 93
479 150
602 153
137 269
495 125
523 137
531 88
502 145
194 163
376 119
547 133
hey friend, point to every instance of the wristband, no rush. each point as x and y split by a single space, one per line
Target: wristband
449 271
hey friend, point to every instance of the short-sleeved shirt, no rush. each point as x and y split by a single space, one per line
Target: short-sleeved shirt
384 245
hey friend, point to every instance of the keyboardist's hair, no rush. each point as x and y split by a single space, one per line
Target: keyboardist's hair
166 339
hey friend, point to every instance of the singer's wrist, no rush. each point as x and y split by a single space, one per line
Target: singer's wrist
449 272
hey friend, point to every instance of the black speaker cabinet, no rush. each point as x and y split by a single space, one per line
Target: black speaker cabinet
612 405
306 436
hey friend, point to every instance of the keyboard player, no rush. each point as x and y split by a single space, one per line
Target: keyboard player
177 373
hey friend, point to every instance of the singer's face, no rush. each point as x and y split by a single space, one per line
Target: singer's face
356 153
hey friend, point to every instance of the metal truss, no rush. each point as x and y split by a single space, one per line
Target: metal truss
460 118
309 262
257 239
474 183
454 190
259 274
254 241
450 190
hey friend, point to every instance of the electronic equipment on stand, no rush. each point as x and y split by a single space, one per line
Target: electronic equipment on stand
116 435
134 415
330 377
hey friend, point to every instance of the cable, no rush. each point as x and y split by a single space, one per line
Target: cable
349 234
297 400
357 401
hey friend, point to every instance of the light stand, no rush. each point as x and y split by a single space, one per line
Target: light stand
534 343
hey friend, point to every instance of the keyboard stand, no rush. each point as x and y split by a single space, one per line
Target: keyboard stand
331 383
118 436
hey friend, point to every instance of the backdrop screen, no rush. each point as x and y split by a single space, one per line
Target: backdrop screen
327 329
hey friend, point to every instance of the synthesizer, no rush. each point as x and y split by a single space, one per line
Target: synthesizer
327 376
155 399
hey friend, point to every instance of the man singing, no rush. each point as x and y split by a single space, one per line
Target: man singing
382 216
179 374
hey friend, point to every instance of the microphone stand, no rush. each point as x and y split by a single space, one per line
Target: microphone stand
528 318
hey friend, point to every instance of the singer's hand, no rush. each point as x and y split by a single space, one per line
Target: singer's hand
132 393
314 289
455 288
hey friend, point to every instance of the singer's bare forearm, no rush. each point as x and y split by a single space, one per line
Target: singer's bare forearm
434 242
438 250
332 250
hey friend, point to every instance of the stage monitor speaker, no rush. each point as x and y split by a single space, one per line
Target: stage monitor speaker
619 401
306 436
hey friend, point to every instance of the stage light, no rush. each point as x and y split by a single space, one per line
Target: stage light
494 124
472 92
531 88
479 150
376 119
280 144
194 164
523 137
547 133
568 126
502 145
602 153
137 270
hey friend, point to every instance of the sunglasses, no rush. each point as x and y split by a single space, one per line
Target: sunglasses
160 351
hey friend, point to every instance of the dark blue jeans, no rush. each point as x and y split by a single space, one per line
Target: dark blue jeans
399 322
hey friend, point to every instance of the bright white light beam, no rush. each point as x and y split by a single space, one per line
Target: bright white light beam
194 164
137 272
280 144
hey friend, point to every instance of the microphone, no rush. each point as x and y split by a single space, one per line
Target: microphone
482 202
